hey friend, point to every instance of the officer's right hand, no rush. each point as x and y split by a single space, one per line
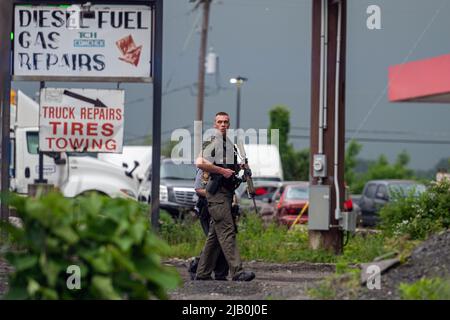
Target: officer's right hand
227 173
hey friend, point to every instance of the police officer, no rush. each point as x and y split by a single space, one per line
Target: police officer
219 194
221 268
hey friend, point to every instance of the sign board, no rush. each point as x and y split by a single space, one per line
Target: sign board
79 43
81 120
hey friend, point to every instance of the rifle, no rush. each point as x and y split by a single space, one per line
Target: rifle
247 176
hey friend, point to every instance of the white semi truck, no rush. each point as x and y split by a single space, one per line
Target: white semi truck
73 174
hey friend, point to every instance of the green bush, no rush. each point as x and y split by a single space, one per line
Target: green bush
418 217
426 289
109 240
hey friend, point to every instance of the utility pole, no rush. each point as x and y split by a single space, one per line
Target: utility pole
6 8
327 123
202 58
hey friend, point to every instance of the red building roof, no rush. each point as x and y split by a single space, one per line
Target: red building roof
421 81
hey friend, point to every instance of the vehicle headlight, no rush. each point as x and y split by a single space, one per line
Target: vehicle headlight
163 193
128 193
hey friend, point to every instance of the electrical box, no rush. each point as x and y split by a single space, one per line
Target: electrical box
211 63
319 208
348 221
319 166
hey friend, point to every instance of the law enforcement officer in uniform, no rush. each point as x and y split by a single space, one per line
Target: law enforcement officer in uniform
201 209
222 168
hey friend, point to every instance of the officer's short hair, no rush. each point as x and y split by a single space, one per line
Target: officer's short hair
222 114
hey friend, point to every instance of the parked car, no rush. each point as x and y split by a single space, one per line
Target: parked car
269 204
176 189
265 191
377 193
292 201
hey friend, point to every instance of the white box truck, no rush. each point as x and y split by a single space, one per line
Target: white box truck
265 162
73 174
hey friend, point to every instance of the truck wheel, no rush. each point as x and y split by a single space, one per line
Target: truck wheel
92 192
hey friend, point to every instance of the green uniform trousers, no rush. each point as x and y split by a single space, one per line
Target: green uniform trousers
222 235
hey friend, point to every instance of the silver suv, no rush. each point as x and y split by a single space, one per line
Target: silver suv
176 189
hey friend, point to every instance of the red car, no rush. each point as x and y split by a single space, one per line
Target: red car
292 201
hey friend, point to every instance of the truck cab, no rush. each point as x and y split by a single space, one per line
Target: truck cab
176 191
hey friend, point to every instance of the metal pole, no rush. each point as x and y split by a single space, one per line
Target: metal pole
157 101
6 7
41 154
238 103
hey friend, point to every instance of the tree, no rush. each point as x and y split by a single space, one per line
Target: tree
381 169
166 150
295 163
351 153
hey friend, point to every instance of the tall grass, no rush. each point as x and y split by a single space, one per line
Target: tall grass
272 243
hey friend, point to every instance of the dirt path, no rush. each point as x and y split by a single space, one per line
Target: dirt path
273 281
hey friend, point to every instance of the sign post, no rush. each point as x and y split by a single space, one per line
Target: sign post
157 101
5 85
108 41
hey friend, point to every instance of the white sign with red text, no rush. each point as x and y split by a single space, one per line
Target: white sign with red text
89 42
81 120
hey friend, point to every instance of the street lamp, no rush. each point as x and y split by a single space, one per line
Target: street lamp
238 81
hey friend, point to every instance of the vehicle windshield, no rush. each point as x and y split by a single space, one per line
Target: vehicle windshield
406 189
264 192
170 170
297 193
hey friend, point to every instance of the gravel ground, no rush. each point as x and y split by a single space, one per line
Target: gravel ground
430 259
292 280
277 281
4 270
273 281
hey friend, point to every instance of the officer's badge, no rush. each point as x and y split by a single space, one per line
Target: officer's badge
205 177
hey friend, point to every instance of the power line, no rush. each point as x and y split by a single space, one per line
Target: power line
135 137
187 41
416 44
379 140
437 134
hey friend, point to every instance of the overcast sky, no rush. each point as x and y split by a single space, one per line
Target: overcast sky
270 43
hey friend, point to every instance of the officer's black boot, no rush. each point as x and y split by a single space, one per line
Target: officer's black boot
244 276
193 267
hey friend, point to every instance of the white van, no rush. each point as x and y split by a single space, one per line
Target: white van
74 174
264 161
